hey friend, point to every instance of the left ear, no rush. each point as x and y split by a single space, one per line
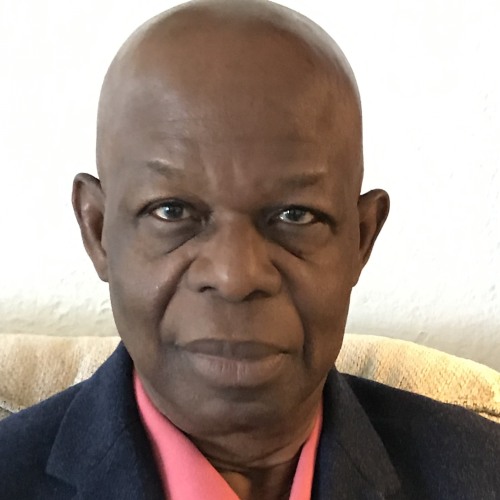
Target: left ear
373 209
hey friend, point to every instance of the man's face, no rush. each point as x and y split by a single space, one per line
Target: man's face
231 234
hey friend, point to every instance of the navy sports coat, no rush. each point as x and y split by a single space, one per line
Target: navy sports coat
376 443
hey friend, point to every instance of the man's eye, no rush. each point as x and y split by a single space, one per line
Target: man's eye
172 212
297 216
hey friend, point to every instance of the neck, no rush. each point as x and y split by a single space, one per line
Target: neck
262 469
257 448
257 457
272 483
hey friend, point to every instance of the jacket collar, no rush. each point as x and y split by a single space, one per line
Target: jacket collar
102 449
351 459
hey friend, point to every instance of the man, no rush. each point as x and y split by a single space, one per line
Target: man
228 221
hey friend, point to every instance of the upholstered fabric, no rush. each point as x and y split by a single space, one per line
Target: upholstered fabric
426 371
33 367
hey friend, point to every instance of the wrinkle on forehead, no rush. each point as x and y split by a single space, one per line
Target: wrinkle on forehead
191 49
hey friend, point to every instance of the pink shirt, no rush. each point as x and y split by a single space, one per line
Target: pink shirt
187 475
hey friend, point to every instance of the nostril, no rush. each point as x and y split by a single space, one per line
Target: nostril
256 294
235 295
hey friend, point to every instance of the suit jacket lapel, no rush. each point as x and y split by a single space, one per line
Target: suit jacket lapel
351 461
101 448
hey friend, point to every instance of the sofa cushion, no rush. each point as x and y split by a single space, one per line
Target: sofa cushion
33 367
416 368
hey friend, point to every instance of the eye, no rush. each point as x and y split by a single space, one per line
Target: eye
298 216
172 211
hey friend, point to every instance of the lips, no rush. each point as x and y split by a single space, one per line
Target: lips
232 350
221 363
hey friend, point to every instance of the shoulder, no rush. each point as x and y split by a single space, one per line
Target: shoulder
37 421
26 441
444 443
384 403
47 449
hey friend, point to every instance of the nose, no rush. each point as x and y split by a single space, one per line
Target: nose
234 263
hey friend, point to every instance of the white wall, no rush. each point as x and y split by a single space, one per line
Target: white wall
429 75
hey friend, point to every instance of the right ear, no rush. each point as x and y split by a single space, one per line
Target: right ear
88 204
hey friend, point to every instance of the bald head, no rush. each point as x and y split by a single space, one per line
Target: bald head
228 219
227 58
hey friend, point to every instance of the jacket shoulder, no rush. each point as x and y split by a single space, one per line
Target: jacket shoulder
26 440
451 449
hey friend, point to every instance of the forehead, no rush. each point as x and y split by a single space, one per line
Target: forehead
226 74
229 96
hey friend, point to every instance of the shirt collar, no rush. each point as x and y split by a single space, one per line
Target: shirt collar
187 475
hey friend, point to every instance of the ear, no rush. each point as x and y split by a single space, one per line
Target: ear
373 209
88 204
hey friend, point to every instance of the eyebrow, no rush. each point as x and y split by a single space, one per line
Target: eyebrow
166 169
295 181
302 180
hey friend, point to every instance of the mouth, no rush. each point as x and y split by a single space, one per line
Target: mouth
232 350
235 364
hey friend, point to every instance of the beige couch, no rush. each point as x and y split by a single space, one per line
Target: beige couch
33 367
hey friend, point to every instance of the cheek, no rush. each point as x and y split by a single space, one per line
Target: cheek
324 326
140 290
323 303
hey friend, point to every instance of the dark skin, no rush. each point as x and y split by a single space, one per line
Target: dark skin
229 225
